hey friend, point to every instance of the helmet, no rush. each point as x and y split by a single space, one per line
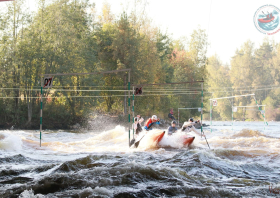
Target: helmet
154 117
191 119
173 122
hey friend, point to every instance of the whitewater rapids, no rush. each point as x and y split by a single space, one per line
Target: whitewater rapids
240 163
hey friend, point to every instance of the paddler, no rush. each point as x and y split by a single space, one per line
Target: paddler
189 126
150 122
170 115
137 124
172 129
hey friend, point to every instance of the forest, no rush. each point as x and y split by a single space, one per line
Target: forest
68 36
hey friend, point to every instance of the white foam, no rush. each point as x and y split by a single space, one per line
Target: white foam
10 142
116 140
30 194
103 191
176 139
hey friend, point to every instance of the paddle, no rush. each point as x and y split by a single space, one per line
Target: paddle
131 142
136 144
205 139
266 14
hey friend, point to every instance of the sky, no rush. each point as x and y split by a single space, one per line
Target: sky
228 23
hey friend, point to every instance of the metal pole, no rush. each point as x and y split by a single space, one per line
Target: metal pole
133 111
211 116
41 111
178 111
128 108
178 118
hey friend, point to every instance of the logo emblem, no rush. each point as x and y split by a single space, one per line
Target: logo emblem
266 19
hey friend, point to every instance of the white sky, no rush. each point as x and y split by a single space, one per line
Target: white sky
231 21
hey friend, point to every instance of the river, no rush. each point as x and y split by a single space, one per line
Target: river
243 162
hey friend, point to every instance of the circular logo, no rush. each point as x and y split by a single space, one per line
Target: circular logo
266 19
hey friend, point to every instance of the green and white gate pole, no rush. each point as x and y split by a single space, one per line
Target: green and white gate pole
129 108
41 111
178 118
133 116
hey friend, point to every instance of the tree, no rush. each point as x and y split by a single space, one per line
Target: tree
219 76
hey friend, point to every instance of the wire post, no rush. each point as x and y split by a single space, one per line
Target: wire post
178 118
128 107
133 111
41 111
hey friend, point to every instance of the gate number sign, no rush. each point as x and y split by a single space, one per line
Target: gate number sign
215 103
48 81
138 91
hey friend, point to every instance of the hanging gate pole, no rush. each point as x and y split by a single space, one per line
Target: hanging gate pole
128 108
133 111
178 118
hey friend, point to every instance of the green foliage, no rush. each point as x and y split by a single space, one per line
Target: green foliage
252 70
67 37
219 77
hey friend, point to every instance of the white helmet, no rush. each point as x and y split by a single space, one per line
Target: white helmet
154 117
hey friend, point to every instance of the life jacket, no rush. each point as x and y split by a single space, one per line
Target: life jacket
171 130
149 123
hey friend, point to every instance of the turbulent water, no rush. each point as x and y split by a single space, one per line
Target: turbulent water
241 163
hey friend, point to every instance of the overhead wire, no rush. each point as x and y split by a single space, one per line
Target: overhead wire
48 97
154 91
175 88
